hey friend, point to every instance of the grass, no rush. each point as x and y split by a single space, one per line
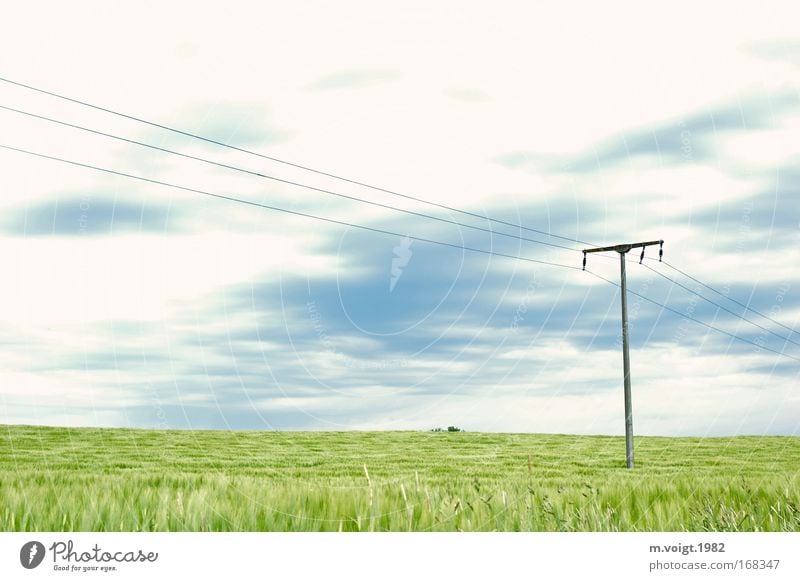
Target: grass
57 479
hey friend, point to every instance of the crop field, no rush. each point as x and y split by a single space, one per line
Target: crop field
57 479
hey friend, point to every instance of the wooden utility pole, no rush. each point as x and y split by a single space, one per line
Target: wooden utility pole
623 249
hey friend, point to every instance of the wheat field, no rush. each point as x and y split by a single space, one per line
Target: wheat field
78 479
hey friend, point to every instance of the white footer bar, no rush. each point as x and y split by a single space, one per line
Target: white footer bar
386 556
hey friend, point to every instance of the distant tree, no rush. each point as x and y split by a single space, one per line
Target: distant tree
449 429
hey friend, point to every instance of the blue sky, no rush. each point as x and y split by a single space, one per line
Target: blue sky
131 304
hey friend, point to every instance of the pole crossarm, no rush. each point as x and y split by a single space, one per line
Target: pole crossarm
624 247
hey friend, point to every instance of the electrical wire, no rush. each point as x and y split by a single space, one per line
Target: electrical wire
287 163
724 295
698 321
278 209
721 307
281 180
381 231
366 185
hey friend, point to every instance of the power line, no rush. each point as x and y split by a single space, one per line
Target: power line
278 209
380 231
698 321
288 163
354 182
376 230
721 307
321 190
735 314
723 295
281 180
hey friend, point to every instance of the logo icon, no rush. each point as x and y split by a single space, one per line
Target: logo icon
31 554
402 254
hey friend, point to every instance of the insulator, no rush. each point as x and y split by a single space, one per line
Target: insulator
642 256
661 251
584 260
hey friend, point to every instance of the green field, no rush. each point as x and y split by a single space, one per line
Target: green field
55 479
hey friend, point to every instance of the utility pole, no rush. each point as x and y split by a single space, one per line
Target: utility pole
623 249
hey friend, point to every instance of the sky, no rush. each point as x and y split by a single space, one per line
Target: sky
132 304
